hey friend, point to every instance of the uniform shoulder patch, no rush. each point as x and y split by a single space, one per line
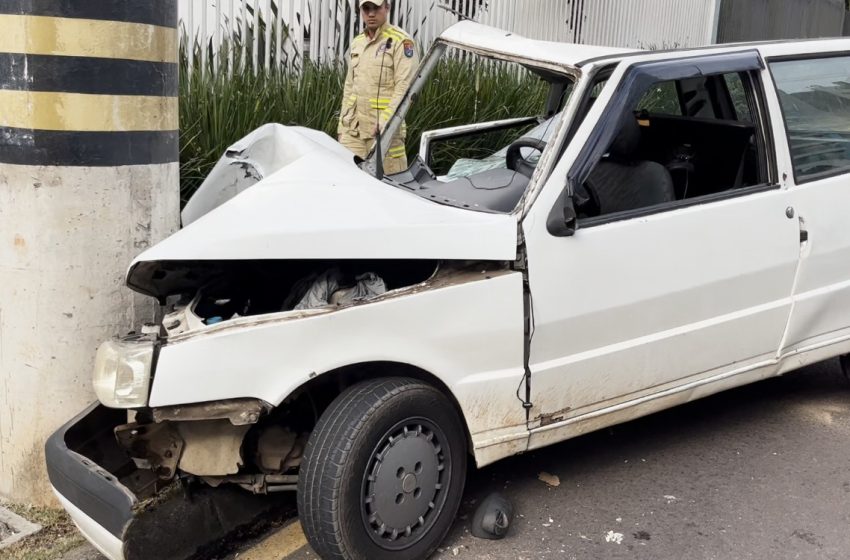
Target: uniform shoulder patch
408 48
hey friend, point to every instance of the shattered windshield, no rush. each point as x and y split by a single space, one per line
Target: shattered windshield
474 129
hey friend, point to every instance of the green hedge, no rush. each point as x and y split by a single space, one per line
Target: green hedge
222 104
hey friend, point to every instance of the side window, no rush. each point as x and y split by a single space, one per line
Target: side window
815 100
735 86
662 99
681 141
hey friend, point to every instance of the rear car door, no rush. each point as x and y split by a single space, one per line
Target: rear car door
667 292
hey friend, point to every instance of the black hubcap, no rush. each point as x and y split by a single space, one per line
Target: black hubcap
405 485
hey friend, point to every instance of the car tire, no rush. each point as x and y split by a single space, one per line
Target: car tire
383 472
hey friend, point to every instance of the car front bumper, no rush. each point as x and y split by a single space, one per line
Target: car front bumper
127 513
85 466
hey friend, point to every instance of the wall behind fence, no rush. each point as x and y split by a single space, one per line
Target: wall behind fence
283 32
754 20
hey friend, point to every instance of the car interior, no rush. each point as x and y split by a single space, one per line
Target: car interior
685 139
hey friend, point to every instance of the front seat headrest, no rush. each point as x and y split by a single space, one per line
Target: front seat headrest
626 142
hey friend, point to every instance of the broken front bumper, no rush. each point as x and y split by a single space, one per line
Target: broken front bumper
84 463
129 513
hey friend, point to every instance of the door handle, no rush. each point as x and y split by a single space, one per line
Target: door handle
804 233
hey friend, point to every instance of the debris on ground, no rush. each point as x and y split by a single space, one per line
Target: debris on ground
493 517
613 537
57 536
550 479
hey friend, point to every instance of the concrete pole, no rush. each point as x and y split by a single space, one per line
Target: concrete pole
88 179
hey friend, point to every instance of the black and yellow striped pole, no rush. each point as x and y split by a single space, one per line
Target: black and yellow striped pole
88 179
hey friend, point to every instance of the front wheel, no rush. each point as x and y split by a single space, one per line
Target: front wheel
383 472
845 365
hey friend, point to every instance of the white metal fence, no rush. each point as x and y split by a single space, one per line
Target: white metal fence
284 31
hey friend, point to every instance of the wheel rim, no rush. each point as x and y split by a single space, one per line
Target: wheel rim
406 483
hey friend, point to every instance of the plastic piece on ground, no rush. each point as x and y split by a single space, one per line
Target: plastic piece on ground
493 517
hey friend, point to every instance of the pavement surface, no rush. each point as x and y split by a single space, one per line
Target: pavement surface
761 472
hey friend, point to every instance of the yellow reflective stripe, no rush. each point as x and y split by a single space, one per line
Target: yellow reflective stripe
397 150
380 99
87 113
86 37
395 33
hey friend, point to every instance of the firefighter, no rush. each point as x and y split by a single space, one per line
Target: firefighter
382 64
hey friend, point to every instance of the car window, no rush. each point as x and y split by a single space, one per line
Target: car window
739 97
815 99
681 141
479 90
662 98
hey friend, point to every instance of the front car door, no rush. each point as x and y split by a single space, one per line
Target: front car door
669 289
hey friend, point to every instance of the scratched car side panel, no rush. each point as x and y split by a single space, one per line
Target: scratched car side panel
468 334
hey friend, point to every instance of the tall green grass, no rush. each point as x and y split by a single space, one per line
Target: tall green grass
217 108
220 103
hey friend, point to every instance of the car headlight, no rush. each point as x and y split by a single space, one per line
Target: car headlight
122 372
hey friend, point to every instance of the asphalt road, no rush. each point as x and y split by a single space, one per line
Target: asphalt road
761 472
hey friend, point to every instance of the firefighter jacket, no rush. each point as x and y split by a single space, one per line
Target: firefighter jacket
371 95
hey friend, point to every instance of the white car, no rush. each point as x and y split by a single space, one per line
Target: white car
681 229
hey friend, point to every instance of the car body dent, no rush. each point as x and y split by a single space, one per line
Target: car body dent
467 331
323 207
258 155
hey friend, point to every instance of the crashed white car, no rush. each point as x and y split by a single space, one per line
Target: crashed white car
667 225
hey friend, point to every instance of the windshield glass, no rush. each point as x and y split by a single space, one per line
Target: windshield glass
474 129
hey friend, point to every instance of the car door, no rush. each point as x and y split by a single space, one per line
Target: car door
814 130
654 305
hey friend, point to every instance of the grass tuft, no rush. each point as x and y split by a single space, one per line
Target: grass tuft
57 536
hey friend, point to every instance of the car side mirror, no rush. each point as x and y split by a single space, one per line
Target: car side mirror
562 218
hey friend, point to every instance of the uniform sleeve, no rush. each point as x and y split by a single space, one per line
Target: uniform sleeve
347 93
405 62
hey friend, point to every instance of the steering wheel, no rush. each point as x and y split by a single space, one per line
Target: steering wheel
514 158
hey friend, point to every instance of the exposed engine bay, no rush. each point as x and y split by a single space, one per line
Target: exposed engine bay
212 293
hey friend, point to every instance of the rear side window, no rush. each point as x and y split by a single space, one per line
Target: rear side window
815 99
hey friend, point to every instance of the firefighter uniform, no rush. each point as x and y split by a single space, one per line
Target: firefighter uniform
366 106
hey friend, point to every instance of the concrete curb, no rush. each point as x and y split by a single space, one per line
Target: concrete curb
22 528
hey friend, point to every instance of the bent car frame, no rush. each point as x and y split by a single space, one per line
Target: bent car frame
667 225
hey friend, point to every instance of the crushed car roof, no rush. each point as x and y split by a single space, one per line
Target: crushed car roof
470 34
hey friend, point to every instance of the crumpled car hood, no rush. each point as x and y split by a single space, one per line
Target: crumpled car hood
320 205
